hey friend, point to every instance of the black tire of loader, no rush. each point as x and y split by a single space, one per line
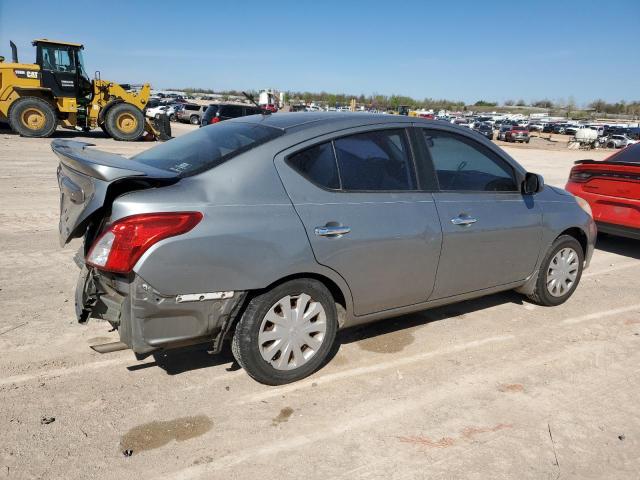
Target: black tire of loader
111 124
22 105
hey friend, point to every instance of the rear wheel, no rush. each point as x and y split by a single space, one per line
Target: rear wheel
124 122
194 120
32 117
559 273
286 333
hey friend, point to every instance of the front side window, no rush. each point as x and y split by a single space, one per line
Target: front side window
231 111
58 60
378 160
464 165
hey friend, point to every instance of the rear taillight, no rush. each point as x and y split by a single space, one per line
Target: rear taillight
580 176
215 120
125 241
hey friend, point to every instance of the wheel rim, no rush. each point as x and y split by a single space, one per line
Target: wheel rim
292 331
562 272
126 122
33 118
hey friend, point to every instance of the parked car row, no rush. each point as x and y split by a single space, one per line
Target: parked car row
203 114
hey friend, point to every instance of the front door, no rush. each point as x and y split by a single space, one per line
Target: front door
59 69
491 232
365 217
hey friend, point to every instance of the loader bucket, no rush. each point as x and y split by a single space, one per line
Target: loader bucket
158 128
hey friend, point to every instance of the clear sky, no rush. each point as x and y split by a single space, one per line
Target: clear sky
468 50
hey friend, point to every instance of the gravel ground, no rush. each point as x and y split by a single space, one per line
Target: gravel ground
490 388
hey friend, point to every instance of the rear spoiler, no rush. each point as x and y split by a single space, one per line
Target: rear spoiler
102 165
605 162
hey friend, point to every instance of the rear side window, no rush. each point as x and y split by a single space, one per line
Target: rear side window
231 111
464 165
378 160
317 164
207 147
192 107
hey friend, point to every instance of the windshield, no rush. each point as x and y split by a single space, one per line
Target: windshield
207 147
83 72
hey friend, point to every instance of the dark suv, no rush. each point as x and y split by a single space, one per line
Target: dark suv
218 112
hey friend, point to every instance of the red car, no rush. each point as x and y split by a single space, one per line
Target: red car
612 189
517 134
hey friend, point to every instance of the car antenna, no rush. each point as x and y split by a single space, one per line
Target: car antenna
253 100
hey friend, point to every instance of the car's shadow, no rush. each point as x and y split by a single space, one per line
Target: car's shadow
367 332
185 359
178 361
627 247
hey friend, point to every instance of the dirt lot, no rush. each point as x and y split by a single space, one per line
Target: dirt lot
486 389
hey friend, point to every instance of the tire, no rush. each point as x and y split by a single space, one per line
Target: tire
32 117
253 338
103 127
124 122
172 117
194 120
544 292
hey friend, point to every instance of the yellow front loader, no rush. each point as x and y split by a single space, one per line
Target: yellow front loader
56 91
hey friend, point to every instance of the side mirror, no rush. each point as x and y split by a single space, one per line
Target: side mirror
533 183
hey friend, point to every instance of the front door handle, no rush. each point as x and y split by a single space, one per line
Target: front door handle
463 221
331 231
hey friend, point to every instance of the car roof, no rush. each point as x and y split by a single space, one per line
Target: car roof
303 120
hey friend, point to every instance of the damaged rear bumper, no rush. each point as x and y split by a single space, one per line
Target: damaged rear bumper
147 320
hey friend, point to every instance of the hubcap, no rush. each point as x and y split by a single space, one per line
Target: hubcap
562 272
127 122
33 118
292 331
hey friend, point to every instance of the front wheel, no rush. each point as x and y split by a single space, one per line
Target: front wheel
286 333
559 273
125 122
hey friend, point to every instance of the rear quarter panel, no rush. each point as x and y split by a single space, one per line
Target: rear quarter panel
250 235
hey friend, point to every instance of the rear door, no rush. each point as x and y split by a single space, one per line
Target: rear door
365 214
491 231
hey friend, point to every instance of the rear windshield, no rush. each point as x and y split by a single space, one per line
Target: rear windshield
207 147
631 154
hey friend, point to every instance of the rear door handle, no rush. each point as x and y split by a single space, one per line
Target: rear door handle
330 231
463 221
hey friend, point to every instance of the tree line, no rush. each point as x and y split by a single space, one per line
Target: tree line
384 102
